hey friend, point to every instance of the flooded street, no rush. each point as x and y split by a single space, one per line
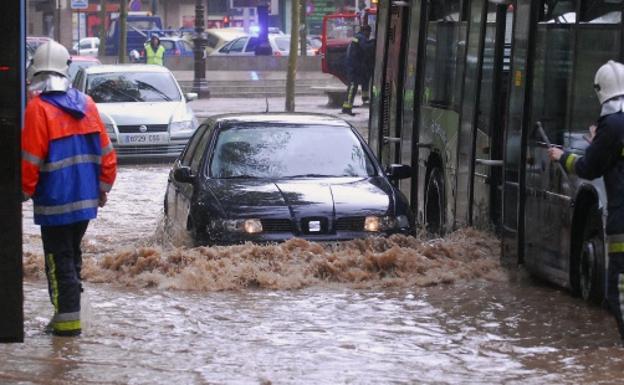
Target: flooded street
397 311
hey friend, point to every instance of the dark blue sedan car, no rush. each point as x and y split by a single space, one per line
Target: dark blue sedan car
272 177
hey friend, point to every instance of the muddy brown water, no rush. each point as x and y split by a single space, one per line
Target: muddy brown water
377 311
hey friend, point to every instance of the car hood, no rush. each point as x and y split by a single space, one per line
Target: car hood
332 197
143 113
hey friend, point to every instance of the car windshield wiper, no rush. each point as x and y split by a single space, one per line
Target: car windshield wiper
314 176
242 176
118 91
151 87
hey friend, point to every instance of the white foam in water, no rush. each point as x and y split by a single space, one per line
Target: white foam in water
86 312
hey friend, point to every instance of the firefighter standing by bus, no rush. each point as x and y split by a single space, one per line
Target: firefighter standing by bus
68 167
359 62
605 158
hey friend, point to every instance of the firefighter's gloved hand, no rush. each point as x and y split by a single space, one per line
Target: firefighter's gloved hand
555 153
103 199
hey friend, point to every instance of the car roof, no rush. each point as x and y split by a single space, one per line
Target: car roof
107 68
84 58
291 118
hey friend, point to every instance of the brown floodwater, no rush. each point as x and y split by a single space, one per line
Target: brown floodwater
401 310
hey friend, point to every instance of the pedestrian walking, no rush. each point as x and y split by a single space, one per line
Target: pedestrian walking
605 158
68 167
155 52
359 62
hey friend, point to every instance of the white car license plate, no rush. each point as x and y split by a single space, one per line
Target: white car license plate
144 138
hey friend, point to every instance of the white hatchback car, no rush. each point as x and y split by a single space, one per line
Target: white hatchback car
246 46
143 107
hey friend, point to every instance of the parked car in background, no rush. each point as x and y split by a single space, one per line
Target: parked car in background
246 46
87 46
217 37
32 43
145 112
174 46
272 177
78 62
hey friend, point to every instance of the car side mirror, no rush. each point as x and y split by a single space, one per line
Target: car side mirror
183 174
399 171
190 96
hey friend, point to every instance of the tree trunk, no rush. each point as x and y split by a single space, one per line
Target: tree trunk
304 28
292 58
123 31
102 30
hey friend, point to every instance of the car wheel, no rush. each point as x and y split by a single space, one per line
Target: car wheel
434 202
591 262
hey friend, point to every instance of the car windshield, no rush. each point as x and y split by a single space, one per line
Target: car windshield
283 43
132 87
289 151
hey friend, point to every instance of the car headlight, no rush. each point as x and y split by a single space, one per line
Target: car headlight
374 223
183 125
110 128
249 226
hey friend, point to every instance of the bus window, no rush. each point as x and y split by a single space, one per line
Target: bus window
598 40
444 46
554 55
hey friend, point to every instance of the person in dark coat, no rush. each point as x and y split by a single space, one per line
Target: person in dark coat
359 62
605 158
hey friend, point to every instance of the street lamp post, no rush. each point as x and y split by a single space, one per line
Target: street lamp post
199 65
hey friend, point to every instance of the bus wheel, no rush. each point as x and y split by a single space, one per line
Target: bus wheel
434 202
591 263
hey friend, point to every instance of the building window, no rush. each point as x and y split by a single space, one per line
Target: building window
217 6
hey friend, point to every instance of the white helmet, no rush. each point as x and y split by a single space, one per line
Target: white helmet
609 81
50 57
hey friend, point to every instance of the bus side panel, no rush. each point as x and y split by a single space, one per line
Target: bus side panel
411 100
515 138
375 139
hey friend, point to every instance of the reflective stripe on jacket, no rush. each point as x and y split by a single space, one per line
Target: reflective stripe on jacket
157 57
66 162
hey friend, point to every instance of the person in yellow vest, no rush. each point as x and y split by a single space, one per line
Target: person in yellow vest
154 52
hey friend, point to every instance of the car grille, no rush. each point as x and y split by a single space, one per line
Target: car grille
135 129
350 224
277 225
151 150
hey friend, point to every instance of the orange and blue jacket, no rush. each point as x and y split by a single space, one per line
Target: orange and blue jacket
67 158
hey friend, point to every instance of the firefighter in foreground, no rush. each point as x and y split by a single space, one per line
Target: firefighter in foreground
605 158
154 52
359 62
68 167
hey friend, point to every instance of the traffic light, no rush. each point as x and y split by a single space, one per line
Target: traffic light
226 21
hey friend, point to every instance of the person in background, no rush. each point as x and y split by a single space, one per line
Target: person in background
605 158
154 52
68 167
359 64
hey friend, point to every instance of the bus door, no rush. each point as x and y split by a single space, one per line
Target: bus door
439 112
515 133
482 117
393 82
338 31
547 191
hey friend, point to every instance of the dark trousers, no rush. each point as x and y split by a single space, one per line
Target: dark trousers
352 90
63 260
615 288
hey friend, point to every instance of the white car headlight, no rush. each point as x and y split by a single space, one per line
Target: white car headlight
183 125
249 226
110 128
374 223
